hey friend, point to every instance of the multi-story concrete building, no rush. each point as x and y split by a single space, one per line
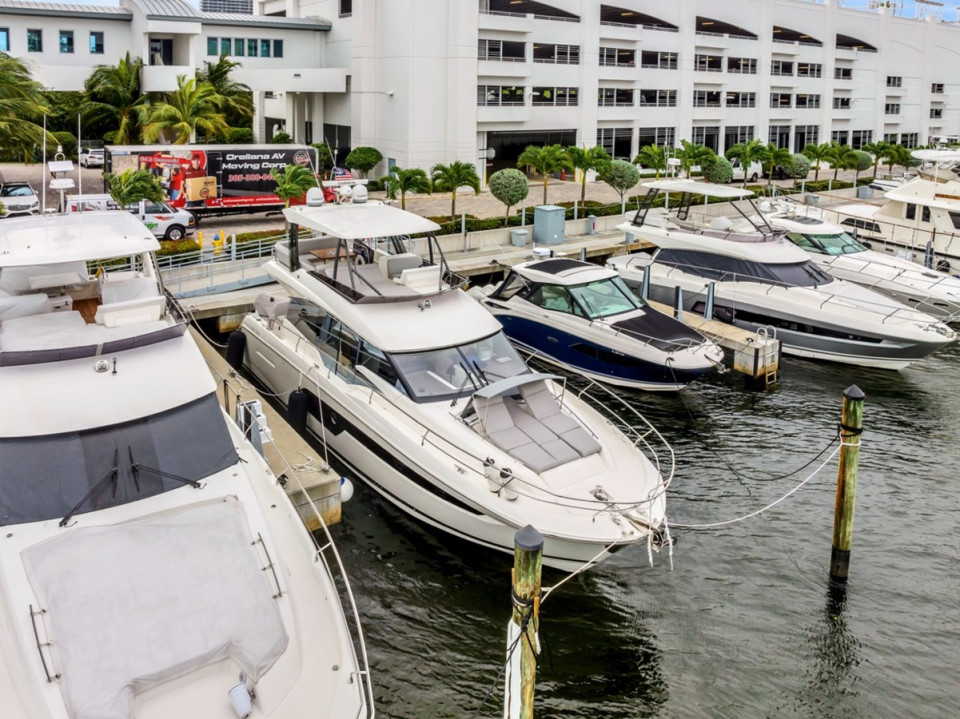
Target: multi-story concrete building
437 80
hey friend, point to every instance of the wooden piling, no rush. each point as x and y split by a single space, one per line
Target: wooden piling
527 565
851 425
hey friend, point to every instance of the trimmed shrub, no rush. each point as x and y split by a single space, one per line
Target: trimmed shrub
240 135
67 141
720 171
282 138
801 166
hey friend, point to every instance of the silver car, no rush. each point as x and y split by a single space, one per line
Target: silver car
18 198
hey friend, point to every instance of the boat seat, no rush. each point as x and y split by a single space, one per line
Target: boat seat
544 407
500 429
117 314
392 266
422 279
12 306
555 446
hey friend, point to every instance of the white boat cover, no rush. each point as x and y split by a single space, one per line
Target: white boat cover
132 605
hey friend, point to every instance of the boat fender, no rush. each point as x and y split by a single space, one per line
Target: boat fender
236 345
297 410
346 489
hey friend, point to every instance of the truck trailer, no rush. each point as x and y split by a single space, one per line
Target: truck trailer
211 180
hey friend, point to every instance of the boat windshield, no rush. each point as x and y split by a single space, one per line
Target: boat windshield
835 244
605 298
50 476
451 371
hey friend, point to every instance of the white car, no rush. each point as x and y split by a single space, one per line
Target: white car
91 157
18 198
165 222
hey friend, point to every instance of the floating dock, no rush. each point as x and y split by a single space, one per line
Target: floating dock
287 453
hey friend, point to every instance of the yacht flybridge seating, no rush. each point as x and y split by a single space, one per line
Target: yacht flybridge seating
152 566
414 387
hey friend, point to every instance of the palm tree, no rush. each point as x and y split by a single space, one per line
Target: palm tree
816 154
190 107
840 157
691 154
545 160
112 94
293 181
404 181
583 159
748 153
21 100
775 156
448 178
653 157
879 151
131 186
237 97
899 155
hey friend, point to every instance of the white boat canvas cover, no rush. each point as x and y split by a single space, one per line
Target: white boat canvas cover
172 592
359 221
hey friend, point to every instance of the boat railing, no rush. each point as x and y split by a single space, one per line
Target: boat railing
211 264
326 551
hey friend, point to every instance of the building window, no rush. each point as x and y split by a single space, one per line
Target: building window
809 69
239 46
741 99
4 39
861 138
226 45
737 134
264 48
499 96
781 67
910 140
891 137
843 73
34 40
841 103
708 63
615 57
501 50
252 46
658 98
659 60
936 113
346 8
556 54
841 137
659 136
780 135
937 88
96 43
742 65
708 136
706 98
616 141
66 42
804 135
278 48
614 97
808 101
213 44
781 99
555 96
891 108
894 81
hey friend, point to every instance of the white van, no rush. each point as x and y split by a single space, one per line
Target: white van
755 171
165 222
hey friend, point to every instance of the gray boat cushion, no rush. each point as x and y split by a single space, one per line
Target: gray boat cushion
580 440
544 406
498 424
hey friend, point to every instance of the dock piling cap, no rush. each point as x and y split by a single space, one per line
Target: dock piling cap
528 539
853 392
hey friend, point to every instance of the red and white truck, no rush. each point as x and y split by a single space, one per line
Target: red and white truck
210 180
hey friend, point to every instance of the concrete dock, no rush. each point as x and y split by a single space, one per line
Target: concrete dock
288 454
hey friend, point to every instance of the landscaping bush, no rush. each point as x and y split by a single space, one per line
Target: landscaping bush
240 135
281 138
67 141
177 247
720 171
801 166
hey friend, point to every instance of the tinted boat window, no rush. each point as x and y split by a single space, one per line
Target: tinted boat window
734 269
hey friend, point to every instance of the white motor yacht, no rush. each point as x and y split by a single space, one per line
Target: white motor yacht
844 257
413 386
583 318
152 566
760 279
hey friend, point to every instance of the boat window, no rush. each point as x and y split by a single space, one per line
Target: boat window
804 242
861 224
511 286
554 297
955 218
838 244
377 362
44 477
911 212
339 342
452 371
605 298
735 269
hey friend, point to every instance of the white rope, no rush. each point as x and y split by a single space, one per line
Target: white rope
193 320
547 591
769 506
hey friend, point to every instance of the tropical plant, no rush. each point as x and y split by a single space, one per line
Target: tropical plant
240 135
404 181
510 187
237 104
774 157
621 176
840 157
879 151
863 161
281 138
21 102
817 154
720 171
363 159
691 154
747 153
652 157
545 160
900 155
112 95
448 178
190 107
586 159
293 181
131 186
66 141
325 157
801 166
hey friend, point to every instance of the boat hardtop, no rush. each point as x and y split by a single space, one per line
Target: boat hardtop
562 271
359 220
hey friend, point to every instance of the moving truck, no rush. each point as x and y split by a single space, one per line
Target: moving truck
211 180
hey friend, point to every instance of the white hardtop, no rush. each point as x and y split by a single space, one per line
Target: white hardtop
357 221
937 155
775 251
46 239
938 195
698 188
582 274
794 218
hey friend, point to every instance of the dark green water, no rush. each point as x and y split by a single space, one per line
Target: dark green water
746 624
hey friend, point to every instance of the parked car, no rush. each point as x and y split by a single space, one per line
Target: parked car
754 172
91 157
165 222
18 198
